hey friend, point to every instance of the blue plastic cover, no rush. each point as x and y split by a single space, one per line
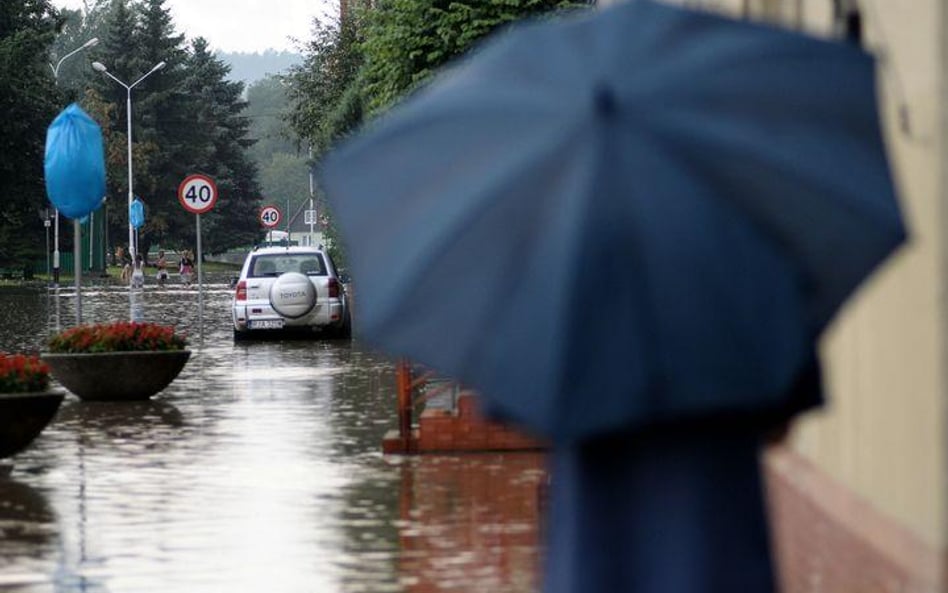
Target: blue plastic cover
75 163
136 213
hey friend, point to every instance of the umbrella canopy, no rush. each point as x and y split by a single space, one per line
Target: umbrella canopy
613 220
74 163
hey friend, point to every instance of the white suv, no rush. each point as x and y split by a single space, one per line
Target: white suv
290 289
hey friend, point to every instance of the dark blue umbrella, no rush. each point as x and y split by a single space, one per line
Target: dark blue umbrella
618 220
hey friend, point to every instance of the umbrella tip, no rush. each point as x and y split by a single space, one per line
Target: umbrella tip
604 100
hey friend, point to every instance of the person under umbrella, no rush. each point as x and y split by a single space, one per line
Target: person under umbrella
726 187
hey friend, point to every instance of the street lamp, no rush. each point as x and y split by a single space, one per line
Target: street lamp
55 69
100 67
46 217
86 45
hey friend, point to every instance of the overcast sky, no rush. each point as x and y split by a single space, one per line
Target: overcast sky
243 25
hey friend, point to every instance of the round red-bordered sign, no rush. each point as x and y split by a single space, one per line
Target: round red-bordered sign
197 193
270 216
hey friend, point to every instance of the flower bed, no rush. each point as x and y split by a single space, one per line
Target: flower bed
122 336
26 403
120 361
20 373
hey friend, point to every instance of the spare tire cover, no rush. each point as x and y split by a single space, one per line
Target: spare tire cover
292 295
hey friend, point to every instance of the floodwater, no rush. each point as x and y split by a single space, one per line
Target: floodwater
258 469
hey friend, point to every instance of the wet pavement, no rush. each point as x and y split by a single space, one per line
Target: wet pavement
258 469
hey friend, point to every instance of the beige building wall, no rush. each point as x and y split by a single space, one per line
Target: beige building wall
884 435
884 432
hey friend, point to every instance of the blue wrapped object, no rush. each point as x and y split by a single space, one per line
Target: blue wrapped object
136 213
75 163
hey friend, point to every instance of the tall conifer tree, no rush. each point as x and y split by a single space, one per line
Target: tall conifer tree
30 101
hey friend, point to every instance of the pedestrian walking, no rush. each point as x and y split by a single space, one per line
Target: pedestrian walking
162 265
138 272
186 267
125 261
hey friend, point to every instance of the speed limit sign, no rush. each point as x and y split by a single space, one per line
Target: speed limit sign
270 216
197 193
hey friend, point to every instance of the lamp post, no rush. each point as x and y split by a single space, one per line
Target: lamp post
55 69
46 218
100 67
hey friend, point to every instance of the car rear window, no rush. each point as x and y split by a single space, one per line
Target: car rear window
311 264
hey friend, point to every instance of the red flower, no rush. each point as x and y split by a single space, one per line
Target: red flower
21 373
121 336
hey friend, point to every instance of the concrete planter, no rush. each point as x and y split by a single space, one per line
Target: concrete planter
116 376
23 416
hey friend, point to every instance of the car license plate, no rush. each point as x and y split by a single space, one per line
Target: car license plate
266 324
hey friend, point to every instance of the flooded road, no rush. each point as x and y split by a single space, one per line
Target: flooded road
258 469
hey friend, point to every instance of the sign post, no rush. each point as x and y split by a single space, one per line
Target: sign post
198 194
309 217
270 217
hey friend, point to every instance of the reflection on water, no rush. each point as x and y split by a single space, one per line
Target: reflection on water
23 319
468 523
258 469
136 306
28 530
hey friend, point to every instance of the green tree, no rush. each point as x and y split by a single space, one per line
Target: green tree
163 111
326 99
30 102
320 86
186 118
285 178
73 74
283 171
105 101
75 78
116 40
383 50
267 104
406 41
220 140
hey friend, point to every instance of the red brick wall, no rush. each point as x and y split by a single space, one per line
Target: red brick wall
466 430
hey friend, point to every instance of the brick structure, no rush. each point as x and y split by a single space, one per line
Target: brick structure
827 539
461 429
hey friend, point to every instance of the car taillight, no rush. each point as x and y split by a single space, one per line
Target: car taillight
241 291
333 288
